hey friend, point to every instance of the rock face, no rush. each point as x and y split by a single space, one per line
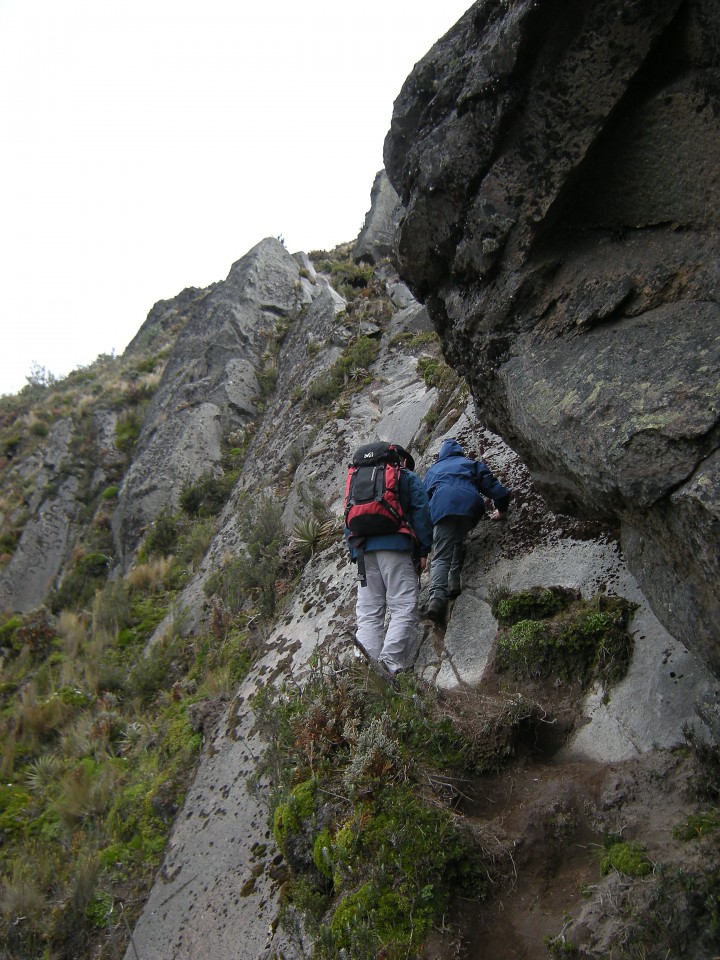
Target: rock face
48 535
379 233
211 386
559 164
62 479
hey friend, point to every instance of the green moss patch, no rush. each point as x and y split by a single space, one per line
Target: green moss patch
551 633
626 857
536 604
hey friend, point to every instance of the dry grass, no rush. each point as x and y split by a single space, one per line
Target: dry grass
152 381
77 739
39 717
149 577
84 403
72 628
219 681
84 882
21 895
83 795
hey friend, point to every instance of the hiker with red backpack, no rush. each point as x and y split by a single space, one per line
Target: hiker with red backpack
389 532
456 485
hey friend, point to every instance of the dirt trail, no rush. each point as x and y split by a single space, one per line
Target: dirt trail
542 821
545 816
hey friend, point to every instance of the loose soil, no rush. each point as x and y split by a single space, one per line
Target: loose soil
541 822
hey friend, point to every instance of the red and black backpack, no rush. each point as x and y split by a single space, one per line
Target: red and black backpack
372 496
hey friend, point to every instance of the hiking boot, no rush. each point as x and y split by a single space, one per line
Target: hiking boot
386 667
454 589
436 610
386 671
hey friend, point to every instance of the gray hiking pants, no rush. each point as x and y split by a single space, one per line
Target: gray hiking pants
392 587
448 554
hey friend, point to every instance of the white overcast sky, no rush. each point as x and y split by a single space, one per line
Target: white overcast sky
148 144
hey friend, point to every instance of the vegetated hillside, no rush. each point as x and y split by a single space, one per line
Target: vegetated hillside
190 751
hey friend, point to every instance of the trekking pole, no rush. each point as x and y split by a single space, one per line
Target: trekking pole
129 932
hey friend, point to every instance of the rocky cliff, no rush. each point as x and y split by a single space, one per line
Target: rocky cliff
222 886
184 528
559 165
261 387
212 384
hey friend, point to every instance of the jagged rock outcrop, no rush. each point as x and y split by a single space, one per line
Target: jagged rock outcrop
560 168
211 386
166 317
379 233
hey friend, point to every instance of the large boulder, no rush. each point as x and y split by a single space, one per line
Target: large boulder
559 164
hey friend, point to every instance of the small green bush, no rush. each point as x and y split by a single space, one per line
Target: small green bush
35 634
127 430
436 373
357 357
11 445
206 496
251 577
697 826
162 537
99 910
9 628
146 366
323 390
78 587
626 857
40 428
348 277
17 808
267 380
9 540
112 607
195 541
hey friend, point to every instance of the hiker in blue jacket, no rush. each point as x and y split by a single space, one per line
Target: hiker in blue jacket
392 566
456 486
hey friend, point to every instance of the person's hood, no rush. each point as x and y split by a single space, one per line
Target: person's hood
450 448
407 457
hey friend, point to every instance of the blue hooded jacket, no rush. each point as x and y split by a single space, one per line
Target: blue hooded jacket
456 485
